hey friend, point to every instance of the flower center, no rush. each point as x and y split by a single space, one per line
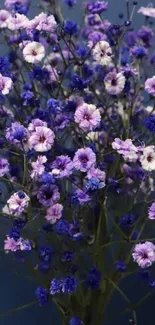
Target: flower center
114 82
84 159
34 53
42 139
149 158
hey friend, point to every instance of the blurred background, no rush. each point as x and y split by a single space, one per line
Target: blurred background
15 288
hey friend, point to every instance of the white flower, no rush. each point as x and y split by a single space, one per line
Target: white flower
147 11
148 158
4 15
34 52
17 21
102 53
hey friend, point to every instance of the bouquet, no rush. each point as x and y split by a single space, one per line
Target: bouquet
77 154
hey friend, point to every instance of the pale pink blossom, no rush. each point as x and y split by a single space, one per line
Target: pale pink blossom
34 52
4 15
38 166
17 203
53 74
54 213
41 139
5 84
87 116
147 159
11 245
18 21
34 123
147 11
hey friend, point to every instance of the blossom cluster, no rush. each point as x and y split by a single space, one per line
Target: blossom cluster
77 150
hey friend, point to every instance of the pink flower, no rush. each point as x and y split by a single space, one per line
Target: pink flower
34 52
148 158
9 3
11 245
96 173
126 148
151 215
144 254
4 166
150 86
88 117
17 203
5 84
38 166
147 11
42 22
114 82
102 53
54 213
4 15
34 123
17 21
84 159
41 139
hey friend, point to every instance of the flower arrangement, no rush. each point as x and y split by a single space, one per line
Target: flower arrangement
77 153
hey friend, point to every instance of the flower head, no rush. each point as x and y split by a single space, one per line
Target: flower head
48 194
75 321
5 84
62 167
17 22
147 159
151 215
17 203
38 166
114 82
126 148
94 278
4 166
144 254
34 52
102 53
41 139
69 284
147 11
56 286
42 296
4 15
88 117
54 213
150 86
84 159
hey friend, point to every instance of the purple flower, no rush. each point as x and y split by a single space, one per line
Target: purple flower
54 213
48 194
84 159
62 167
11 244
17 133
125 148
97 7
4 166
25 245
121 266
114 82
151 215
139 52
150 86
38 167
81 196
88 117
144 254
5 84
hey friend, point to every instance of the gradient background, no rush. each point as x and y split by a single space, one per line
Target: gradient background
14 289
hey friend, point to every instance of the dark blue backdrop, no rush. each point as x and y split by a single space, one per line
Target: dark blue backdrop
14 289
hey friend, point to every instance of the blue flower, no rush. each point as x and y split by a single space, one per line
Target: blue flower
78 82
121 266
56 286
14 233
94 278
70 27
150 123
127 221
47 178
20 133
28 98
94 184
5 66
19 223
62 227
75 321
54 105
69 284
42 296
139 52
45 254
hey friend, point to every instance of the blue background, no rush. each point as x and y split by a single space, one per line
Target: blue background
15 290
